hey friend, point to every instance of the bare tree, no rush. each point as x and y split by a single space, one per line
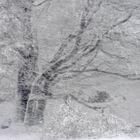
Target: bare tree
73 58
28 53
17 18
75 55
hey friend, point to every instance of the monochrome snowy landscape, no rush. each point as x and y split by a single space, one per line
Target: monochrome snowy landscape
69 69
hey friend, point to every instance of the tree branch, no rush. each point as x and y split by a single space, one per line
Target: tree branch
122 21
79 52
126 76
110 54
41 3
84 23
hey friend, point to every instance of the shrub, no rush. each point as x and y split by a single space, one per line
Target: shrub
100 97
73 123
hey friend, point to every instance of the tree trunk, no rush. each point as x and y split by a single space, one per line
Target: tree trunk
35 111
26 77
37 101
29 53
23 95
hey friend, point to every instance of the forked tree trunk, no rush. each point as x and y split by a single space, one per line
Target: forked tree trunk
37 101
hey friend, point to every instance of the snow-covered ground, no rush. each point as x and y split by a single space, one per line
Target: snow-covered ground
125 105
20 137
34 137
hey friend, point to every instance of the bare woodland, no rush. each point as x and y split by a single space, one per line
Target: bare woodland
91 37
